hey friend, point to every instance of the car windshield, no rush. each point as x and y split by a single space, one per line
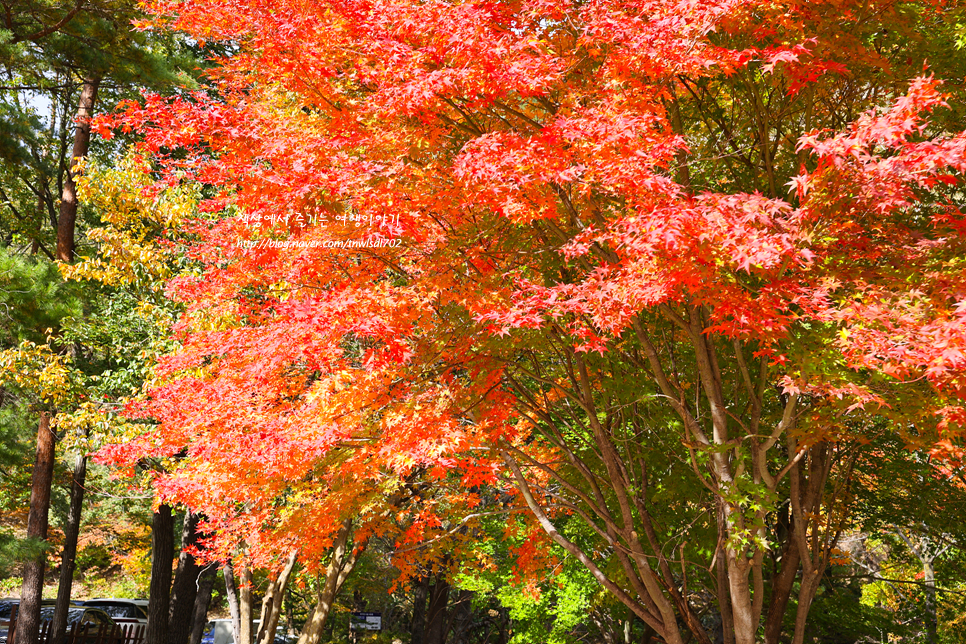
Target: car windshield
74 615
119 610
5 609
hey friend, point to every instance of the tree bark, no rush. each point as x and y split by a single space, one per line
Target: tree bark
162 556
232 593
66 222
741 603
436 624
28 622
804 504
343 560
185 583
461 616
721 572
69 556
418 629
272 605
245 604
781 590
932 620
927 552
199 615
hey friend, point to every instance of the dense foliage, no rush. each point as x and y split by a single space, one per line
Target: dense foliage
644 315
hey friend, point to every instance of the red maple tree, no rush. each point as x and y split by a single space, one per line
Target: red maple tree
529 241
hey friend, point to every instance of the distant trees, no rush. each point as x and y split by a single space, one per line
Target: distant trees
57 61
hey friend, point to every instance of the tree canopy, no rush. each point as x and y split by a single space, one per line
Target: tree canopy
654 283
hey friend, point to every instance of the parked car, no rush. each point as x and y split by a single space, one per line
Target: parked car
122 610
130 614
6 609
81 616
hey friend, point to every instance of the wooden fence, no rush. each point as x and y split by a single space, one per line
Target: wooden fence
85 633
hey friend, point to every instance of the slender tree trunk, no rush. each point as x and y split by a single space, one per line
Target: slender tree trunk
461 619
289 620
741 604
68 559
814 561
808 589
781 589
162 556
272 606
185 583
28 622
82 137
418 629
343 560
199 615
245 604
721 572
72 529
232 593
436 624
932 621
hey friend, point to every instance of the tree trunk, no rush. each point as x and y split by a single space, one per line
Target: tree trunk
343 560
199 615
289 620
746 626
461 616
781 589
68 559
162 556
28 623
272 606
436 624
231 591
721 572
932 621
82 137
245 604
185 583
418 629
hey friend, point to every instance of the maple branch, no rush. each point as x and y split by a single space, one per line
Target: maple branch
657 368
912 582
943 551
908 542
565 198
676 317
600 511
786 423
476 128
653 621
557 437
788 468
519 115
551 107
746 375
457 124
720 124
566 392
588 520
457 528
